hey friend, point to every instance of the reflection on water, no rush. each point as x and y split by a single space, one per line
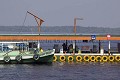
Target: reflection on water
60 71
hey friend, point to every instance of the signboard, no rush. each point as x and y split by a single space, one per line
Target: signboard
108 36
93 37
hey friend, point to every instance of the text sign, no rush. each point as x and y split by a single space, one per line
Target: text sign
108 36
93 37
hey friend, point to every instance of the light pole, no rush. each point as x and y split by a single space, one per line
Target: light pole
75 20
108 38
74 43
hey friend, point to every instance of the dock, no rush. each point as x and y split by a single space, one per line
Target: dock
63 57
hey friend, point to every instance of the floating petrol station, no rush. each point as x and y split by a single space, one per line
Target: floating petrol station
69 53
71 56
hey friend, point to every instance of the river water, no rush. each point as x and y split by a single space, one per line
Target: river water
60 71
57 70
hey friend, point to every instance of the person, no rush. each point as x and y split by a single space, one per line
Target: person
35 51
41 50
64 48
70 48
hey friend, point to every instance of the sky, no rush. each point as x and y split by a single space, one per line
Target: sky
97 13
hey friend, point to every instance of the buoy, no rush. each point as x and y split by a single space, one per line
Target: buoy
92 58
78 58
54 58
7 59
86 58
36 57
70 58
104 58
98 58
18 58
111 58
62 58
117 58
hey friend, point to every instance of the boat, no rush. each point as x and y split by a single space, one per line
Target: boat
23 53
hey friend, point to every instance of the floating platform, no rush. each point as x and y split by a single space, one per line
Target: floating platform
86 58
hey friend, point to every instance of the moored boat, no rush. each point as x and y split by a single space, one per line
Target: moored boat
19 52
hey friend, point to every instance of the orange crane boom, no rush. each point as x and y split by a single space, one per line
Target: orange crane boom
38 20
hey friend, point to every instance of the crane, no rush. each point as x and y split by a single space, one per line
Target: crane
38 20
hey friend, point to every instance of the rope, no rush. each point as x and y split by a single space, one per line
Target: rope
23 23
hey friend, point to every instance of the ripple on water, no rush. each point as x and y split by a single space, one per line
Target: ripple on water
60 71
